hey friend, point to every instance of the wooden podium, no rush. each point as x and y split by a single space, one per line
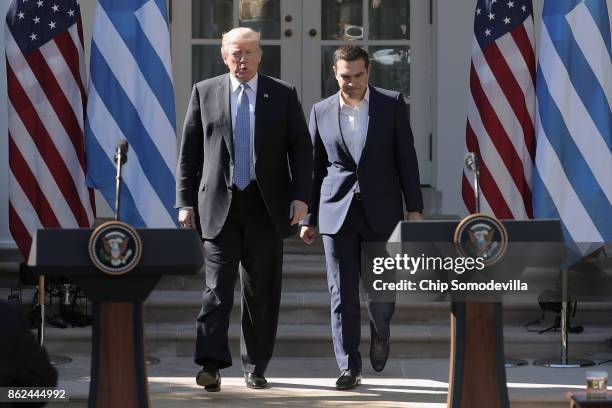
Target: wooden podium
477 375
118 370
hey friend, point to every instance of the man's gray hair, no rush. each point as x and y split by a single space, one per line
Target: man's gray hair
240 33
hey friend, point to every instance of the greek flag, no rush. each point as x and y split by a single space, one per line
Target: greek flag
131 96
573 177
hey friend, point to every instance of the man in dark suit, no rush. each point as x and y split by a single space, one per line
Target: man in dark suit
23 362
246 162
364 163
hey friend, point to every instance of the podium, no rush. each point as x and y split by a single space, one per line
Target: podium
477 373
118 370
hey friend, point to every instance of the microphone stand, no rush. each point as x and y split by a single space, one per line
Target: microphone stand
120 160
477 186
472 162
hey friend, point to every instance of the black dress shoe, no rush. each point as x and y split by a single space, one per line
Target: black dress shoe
348 379
379 353
210 379
255 381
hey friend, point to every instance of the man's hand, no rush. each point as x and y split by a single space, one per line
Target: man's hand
297 211
307 233
186 218
414 216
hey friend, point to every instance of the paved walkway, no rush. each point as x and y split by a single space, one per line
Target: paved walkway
309 383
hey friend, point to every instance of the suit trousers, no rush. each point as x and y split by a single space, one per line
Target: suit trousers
248 240
343 261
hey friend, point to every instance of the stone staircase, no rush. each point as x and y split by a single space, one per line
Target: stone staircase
419 330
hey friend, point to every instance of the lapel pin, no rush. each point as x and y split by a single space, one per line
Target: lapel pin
266 95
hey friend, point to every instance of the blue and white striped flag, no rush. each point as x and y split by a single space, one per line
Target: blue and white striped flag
131 96
573 177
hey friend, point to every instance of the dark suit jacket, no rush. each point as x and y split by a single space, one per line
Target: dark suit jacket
283 153
23 363
387 169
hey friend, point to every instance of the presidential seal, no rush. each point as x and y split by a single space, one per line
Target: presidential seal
481 236
115 248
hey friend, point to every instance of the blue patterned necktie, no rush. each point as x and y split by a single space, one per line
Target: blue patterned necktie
242 142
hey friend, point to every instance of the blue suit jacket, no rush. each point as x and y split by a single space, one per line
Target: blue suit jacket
387 170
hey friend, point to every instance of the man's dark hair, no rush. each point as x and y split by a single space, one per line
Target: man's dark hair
351 53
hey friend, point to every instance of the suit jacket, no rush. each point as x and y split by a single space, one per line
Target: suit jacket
387 170
23 363
282 149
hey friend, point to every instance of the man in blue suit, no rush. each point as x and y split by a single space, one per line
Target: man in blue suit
364 164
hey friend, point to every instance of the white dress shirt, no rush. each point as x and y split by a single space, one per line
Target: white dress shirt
252 94
354 126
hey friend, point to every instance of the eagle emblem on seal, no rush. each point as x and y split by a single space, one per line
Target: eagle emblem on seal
115 248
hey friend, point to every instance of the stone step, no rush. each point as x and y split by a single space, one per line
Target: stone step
314 340
314 307
294 245
300 273
9 274
10 254
168 306
9 266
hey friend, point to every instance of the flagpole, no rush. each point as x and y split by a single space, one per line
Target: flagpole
564 361
41 305
53 359
564 318
565 37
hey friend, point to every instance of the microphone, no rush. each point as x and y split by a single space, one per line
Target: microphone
120 160
121 151
472 162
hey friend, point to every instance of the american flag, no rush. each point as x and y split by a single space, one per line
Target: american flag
46 99
501 108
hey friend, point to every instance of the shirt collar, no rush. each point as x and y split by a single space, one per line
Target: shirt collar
236 83
366 99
